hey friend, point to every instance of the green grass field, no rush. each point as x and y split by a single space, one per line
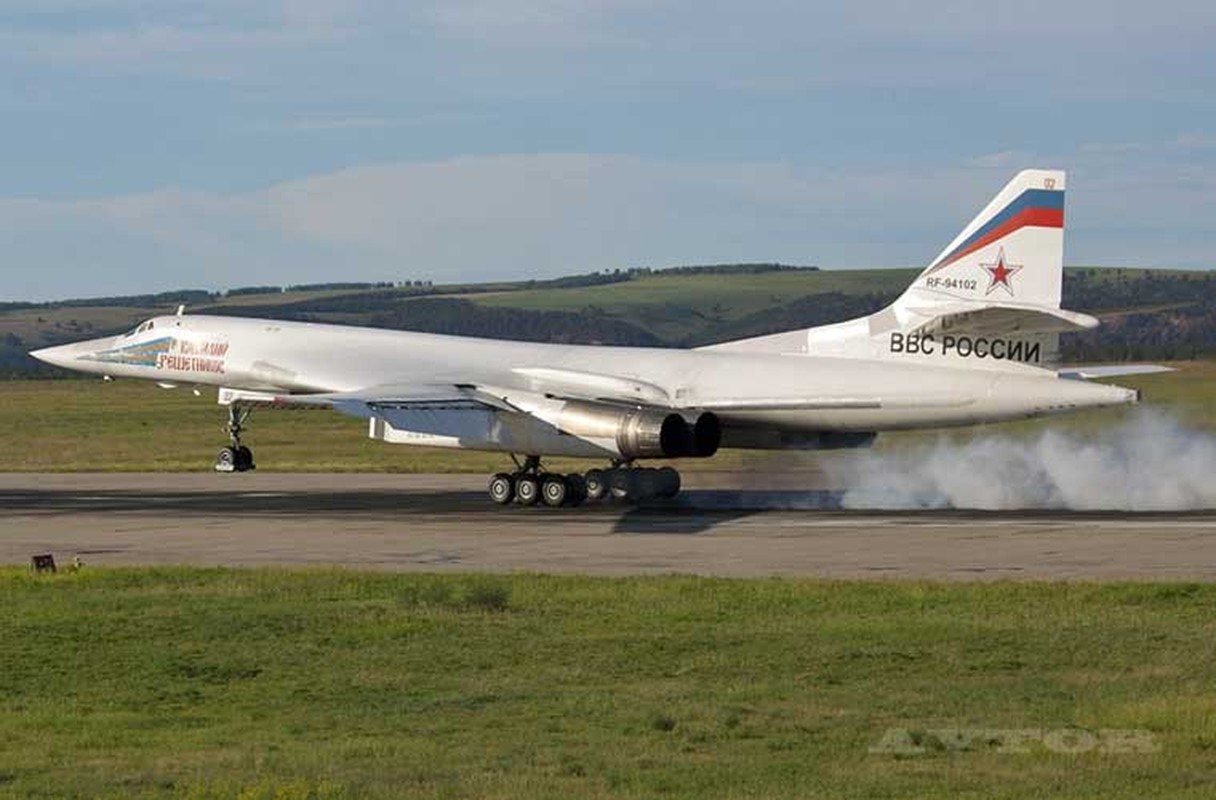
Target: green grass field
270 684
91 425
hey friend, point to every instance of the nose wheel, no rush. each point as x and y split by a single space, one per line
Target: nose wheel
236 457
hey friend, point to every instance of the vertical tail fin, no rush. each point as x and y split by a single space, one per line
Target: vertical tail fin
1012 253
990 300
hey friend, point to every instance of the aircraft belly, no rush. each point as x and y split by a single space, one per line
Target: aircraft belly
481 429
852 420
997 399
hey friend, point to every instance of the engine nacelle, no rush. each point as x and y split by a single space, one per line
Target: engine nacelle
642 432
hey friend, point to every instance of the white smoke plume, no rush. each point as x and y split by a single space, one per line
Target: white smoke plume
1148 462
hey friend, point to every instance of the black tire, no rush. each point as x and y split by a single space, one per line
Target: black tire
577 488
595 484
244 459
554 491
623 485
502 488
226 460
527 490
669 482
645 484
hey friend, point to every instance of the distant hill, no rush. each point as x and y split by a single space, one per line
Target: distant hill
1147 314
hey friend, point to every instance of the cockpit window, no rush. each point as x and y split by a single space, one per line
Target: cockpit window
144 326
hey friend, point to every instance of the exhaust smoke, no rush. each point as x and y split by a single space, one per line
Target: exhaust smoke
1148 462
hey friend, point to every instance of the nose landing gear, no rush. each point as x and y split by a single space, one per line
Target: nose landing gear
236 457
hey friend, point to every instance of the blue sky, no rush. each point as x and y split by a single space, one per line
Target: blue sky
158 144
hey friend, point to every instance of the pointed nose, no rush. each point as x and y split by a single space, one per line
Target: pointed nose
59 356
70 356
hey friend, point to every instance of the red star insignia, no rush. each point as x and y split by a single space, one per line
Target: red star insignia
1000 273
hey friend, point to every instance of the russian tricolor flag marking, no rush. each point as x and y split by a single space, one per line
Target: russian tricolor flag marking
1041 208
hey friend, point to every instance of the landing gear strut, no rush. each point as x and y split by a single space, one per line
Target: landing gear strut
622 482
236 457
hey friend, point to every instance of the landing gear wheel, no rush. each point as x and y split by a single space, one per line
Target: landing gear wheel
226 459
527 490
577 488
669 483
502 488
554 490
236 457
596 484
645 484
621 485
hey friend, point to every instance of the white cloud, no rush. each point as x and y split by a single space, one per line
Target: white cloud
546 23
519 216
216 38
1003 159
334 122
151 42
467 218
1198 141
768 45
1117 149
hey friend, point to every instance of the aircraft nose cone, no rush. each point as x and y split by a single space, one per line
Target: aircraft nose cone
56 356
69 356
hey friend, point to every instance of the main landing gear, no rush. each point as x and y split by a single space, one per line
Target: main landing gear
236 457
529 485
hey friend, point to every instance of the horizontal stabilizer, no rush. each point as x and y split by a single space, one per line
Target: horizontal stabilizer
980 318
1111 370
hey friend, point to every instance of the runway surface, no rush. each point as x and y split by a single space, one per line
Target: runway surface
446 522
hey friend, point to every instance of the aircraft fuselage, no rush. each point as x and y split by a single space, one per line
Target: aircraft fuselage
791 393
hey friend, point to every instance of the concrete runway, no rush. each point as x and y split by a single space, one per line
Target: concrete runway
446 522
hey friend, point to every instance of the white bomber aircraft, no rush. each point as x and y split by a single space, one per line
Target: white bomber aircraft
973 340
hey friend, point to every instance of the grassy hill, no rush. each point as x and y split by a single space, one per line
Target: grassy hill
1148 313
